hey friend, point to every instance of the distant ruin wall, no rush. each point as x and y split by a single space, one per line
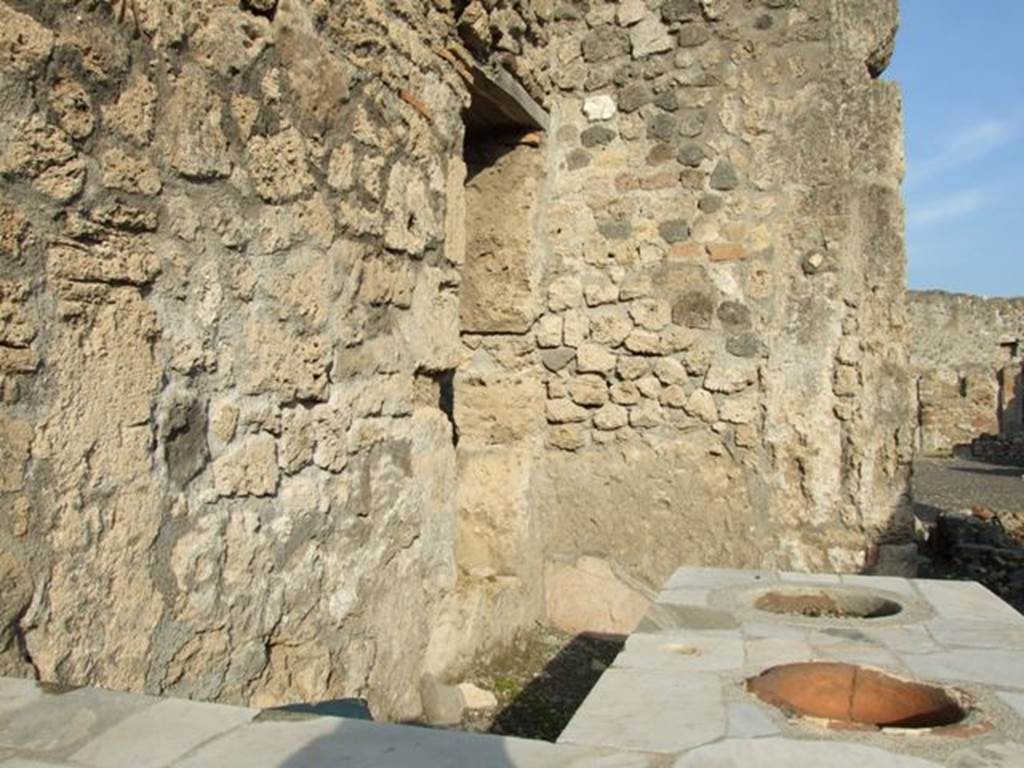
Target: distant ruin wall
967 358
307 391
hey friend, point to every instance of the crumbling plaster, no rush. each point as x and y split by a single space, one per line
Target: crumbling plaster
241 264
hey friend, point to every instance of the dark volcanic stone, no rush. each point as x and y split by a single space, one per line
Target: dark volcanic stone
690 155
675 231
733 314
596 135
616 229
724 177
693 309
604 44
681 10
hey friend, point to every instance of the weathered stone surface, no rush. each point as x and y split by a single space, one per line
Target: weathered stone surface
593 358
965 354
587 597
565 411
651 314
702 405
277 166
630 12
476 698
497 409
249 469
681 10
133 113
306 373
589 389
25 45
74 109
603 44
194 132
130 174
694 309
650 36
729 376
500 289
442 704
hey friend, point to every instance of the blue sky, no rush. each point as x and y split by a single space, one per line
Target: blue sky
961 66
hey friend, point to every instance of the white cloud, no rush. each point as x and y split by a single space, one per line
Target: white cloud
945 209
965 147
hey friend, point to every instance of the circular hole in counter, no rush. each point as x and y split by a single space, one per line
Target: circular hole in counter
851 694
826 604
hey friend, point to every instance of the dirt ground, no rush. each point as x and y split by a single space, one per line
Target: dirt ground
961 483
541 681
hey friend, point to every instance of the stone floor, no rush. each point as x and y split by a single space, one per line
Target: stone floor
959 483
675 696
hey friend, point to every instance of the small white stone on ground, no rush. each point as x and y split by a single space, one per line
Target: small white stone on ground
476 698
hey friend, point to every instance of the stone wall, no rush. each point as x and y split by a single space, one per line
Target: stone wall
723 343
228 307
967 357
308 391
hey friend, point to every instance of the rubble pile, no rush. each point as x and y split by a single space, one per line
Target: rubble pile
979 545
1000 450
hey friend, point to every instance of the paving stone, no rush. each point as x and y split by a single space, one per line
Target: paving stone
160 734
21 762
665 617
837 636
718 577
989 666
686 651
903 639
862 653
747 720
976 634
1015 700
966 600
648 710
808 578
1006 754
16 693
773 651
336 741
778 629
791 753
684 596
695 618
62 722
889 583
